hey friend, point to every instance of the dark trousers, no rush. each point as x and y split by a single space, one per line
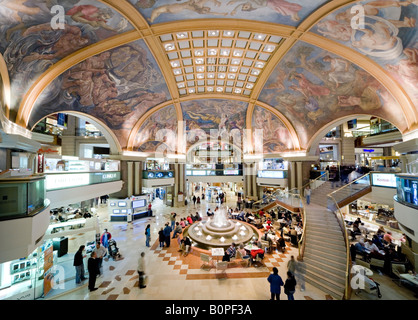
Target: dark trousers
277 295
92 280
141 278
167 241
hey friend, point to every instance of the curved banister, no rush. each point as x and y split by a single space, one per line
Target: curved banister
324 175
340 219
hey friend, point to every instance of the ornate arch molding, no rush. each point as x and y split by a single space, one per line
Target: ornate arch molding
4 74
115 147
317 137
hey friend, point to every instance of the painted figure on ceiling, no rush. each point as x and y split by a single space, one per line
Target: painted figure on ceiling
198 6
282 7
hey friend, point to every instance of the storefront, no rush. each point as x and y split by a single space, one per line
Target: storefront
128 209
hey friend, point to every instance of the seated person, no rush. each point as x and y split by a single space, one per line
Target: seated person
377 241
273 214
186 245
293 237
241 216
388 237
198 217
177 230
374 250
182 223
209 213
243 252
189 220
361 249
229 253
281 244
356 231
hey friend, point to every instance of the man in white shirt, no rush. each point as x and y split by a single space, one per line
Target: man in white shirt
100 253
374 250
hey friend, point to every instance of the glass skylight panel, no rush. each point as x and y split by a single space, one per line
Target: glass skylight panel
233 69
219 89
255 46
175 64
227 43
236 61
259 36
255 72
210 89
223 60
201 82
210 82
263 56
190 83
259 64
169 46
225 52
228 33
228 89
211 60
187 62
197 34
237 90
172 55
212 52
201 89
191 90
182 91
221 75
212 42
239 84
182 35
199 60
213 33
198 43
249 86
230 83
242 77
181 85
220 82
177 71
190 76
179 78
231 76
185 53
244 34
275 39
269 48
247 63
166 37
240 44
200 76
184 45
199 53
188 69
247 92
244 70
250 54
200 69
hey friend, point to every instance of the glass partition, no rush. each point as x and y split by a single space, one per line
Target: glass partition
21 197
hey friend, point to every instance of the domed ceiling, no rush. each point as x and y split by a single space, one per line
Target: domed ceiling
165 74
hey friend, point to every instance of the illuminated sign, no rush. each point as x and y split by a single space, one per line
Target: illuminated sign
368 150
59 181
271 174
384 180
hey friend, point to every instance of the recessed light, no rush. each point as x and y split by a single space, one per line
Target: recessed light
191 90
237 53
255 72
199 61
175 64
249 86
237 90
259 64
181 35
198 53
181 85
235 61
213 33
210 89
231 76
200 69
200 76
169 47
177 71
233 69
219 89
212 52
269 48
221 75
211 75
225 52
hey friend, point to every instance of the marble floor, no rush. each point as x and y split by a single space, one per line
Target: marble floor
174 277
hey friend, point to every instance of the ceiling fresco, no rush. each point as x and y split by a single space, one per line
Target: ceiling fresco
30 43
388 37
276 11
139 66
158 133
313 87
116 86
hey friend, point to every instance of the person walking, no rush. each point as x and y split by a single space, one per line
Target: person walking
161 237
148 235
300 273
150 210
100 253
167 231
276 283
308 194
194 200
141 270
291 265
173 220
79 264
104 239
93 271
290 286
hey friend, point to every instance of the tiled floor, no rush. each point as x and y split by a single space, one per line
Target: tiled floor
172 276
175 277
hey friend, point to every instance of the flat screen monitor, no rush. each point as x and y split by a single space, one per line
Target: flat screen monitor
116 211
138 203
122 204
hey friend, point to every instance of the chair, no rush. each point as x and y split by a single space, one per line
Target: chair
206 259
363 263
377 262
397 269
222 265
246 260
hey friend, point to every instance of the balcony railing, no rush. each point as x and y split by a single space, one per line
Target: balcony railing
213 172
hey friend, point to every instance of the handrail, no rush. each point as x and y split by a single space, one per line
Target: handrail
301 242
348 256
352 182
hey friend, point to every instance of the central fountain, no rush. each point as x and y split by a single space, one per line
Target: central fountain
220 231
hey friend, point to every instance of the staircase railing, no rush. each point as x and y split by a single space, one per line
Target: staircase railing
341 221
355 186
313 184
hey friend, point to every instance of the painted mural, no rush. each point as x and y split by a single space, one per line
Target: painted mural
212 118
30 43
117 86
389 37
288 12
158 133
312 87
274 136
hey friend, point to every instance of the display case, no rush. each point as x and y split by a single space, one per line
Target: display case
135 206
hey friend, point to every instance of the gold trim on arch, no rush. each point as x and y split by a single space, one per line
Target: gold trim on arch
4 73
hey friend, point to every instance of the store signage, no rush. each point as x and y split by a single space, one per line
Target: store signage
368 150
59 181
48 263
384 180
271 174
109 176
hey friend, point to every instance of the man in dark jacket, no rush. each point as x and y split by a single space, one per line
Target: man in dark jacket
79 265
92 267
167 231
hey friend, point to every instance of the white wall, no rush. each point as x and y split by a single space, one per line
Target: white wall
65 197
20 237
408 217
